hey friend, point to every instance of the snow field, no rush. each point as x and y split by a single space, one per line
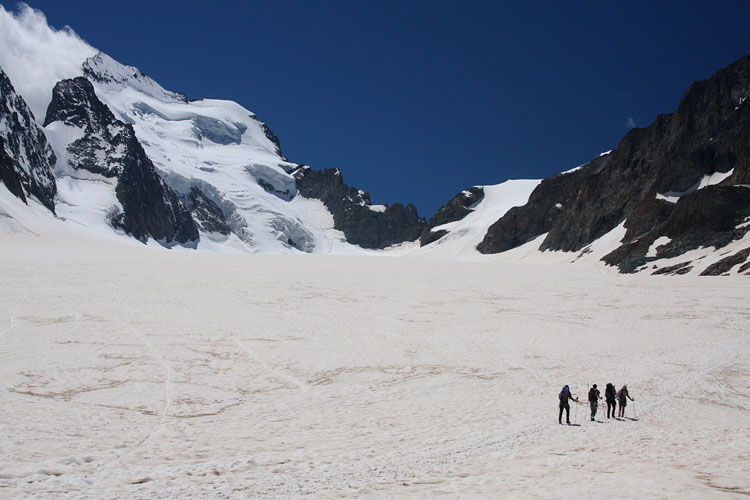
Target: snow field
129 372
464 235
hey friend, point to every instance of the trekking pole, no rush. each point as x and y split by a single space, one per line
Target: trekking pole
575 418
634 411
578 403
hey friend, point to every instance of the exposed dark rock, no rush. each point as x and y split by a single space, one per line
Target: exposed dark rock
708 217
428 237
272 137
631 256
25 155
10 173
545 206
104 142
648 214
727 263
206 213
110 148
713 209
72 103
677 269
456 209
651 213
352 213
709 133
150 208
705 218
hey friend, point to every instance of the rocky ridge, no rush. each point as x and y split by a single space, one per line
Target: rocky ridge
109 147
654 182
456 209
353 213
677 185
25 155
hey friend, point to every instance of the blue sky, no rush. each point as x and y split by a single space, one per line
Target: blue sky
416 100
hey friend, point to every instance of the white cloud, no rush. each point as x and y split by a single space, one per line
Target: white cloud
630 123
36 56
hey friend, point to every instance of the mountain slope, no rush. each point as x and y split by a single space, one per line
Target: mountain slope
155 165
224 152
705 142
362 223
458 227
90 138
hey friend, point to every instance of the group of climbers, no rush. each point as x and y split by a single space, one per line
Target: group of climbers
612 396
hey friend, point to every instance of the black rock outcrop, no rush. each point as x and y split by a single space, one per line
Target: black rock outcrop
109 147
546 203
456 209
352 212
708 134
271 137
709 217
105 140
727 263
206 213
25 156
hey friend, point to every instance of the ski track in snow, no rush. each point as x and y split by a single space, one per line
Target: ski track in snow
9 328
167 381
302 386
205 376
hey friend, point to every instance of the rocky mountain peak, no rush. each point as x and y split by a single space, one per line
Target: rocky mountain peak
353 214
74 103
113 75
108 147
104 141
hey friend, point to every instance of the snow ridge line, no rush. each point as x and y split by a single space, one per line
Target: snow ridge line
12 325
301 385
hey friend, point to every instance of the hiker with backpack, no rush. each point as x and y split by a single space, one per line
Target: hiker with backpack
565 396
594 397
623 396
610 394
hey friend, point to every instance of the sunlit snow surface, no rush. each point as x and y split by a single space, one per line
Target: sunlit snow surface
132 371
464 235
136 372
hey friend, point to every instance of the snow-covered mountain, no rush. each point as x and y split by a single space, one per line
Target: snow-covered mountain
98 153
217 156
136 158
120 156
